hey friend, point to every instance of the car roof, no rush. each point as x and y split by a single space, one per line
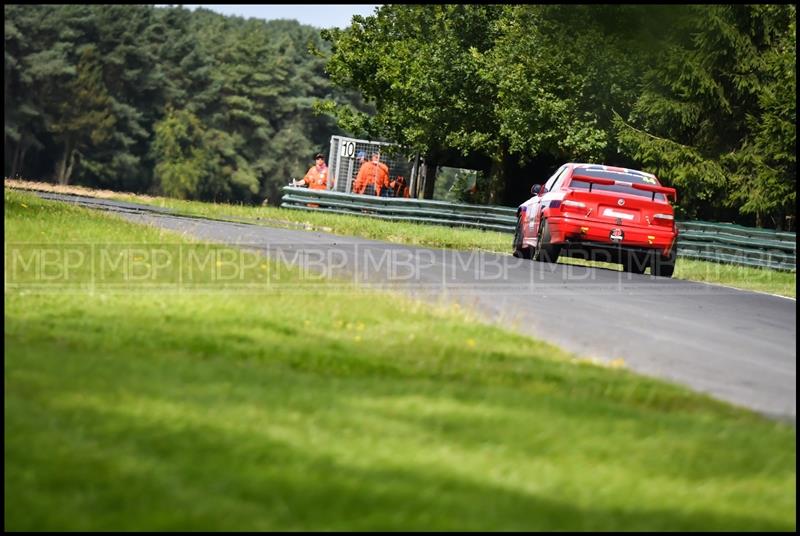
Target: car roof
615 169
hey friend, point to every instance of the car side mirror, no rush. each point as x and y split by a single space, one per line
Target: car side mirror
535 189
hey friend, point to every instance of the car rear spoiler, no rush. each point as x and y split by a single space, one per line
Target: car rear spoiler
653 188
657 190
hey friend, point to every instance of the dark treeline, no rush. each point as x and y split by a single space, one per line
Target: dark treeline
164 100
202 106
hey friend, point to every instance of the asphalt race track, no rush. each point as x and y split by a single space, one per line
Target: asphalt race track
735 345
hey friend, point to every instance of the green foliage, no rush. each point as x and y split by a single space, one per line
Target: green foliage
421 66
23 117
716 116
457 185
85 117
765 169
495 80
251 84
182 164
193 162
702 95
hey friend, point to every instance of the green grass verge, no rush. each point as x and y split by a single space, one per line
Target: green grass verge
436 236
319 409
742 277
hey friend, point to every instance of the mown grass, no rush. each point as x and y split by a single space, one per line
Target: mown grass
281 409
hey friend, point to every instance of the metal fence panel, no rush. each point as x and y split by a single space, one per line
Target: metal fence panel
739 230
348 154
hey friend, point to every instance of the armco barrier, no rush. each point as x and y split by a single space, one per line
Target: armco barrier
735 244
401 209
718 242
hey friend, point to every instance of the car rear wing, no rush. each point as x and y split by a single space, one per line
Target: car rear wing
653 188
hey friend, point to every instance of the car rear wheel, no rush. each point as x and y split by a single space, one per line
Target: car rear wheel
634 262
519 251
544 250
663 266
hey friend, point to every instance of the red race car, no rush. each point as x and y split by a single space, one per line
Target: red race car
601 213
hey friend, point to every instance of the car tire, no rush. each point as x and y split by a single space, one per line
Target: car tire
519 251
663 266
634 262
544 250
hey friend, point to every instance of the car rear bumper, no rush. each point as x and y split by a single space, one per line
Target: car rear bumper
577 233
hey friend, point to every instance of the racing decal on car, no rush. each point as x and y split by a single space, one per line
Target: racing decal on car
616 235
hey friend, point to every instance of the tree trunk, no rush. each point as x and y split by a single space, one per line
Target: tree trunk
18 160
430 180
779 220
496 182
21 164
15 161
64 164
71 165
497 178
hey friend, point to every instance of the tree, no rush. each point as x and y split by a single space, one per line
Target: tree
560 71
184 166
31 60
716 116
84 117
251 85
510 83
126 37
421 67
764 172
704 96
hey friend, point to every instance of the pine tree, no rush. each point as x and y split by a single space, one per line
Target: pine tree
716 117
84 118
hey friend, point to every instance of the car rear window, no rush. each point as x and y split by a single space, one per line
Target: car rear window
634 177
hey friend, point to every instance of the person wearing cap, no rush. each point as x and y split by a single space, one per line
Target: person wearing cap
317 176
372 177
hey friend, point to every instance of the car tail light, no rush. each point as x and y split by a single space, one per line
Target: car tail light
663 219
573 204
